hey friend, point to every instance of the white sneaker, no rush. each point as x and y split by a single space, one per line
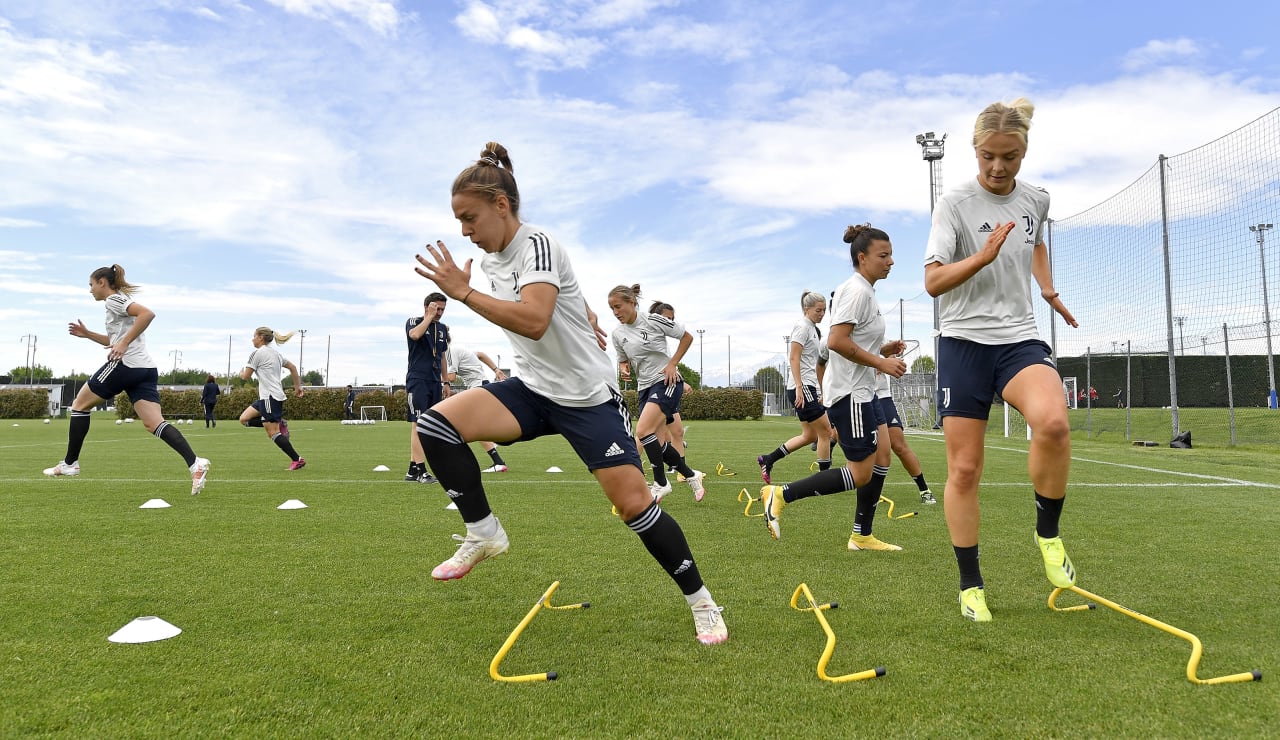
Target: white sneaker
495 469
199 475
696 484
472 550
708 624
62 468
659 491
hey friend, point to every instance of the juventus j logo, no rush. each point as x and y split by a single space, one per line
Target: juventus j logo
946 398
1030 224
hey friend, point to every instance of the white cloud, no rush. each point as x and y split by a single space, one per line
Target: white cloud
1156 52
380 15
478 21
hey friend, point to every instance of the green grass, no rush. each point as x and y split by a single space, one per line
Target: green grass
325 621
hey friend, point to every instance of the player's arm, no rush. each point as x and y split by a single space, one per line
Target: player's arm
793 359
671 372
78 329
247 372
1043 274
601 335
428 315
841 342
489 363
143 317
940 278
297 379
529 317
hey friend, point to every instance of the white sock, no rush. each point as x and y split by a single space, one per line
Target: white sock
486 528
698 595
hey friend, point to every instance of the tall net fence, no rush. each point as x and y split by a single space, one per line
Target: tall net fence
1166 279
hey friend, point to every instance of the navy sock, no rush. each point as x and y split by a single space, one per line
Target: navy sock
919 479
1048 512
821 483
285 446
653 451
497 459
970 573
673 458
868 498
777 454
172 437
824 464
254 422
665 541
454 465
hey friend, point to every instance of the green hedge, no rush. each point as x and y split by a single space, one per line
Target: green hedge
714 403
324 403
24 403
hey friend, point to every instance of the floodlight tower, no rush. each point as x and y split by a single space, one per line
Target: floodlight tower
1261 231
702 379
302 345
932 149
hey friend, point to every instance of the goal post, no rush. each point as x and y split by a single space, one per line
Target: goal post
1015 424
1069 390
373 413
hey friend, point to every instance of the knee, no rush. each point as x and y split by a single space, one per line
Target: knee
1055 432
964 475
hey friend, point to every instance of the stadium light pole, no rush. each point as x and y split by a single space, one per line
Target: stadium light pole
302 345
1204 345
729 344
1261 231
932 150
701 378
177 355
30 339
1182 347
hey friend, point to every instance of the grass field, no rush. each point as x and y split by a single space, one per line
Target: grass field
325 622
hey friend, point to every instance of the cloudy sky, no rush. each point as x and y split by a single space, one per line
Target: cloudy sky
279 162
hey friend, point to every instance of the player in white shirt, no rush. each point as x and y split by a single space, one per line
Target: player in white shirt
984 249
640 342
898 439
858 351
564 384
675 424
129 369
804 390
268 411
466 366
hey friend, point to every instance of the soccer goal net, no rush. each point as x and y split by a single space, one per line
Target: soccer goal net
1069 390
1015 424
373 413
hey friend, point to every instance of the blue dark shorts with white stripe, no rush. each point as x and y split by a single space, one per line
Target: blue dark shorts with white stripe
857 424
115 377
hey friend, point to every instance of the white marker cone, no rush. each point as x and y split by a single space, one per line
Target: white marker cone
292 503
451 507
381 469
155 503
554 469
145 629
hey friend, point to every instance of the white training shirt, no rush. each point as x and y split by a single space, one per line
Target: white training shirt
643 343
806 334
119 322
467 365
855 303
884 389
268 364
994 306
566 365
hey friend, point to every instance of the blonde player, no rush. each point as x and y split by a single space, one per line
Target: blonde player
804 388
268 411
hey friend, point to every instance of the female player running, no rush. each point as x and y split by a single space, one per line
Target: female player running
129 369
640 342
804 389
984 249
564 384
858 350
268 411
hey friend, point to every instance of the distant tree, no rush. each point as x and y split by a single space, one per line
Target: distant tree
923 364
689 374
768 379
185 376
313 377
37 373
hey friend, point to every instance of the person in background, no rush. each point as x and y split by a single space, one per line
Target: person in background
467 367
804 389
349 408
209 398
268 411
424 384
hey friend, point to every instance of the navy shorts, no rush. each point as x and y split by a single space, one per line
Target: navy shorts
970 375
889 411
115 377
422 395
601 435
271 409
857 424
812 409
666 396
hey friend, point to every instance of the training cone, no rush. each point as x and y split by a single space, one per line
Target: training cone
155 503
452 506
554 469
381 469
145 629
292 503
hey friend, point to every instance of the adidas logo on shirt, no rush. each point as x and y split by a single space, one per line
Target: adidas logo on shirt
613 451
985 228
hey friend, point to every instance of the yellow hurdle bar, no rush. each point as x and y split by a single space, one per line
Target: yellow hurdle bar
515 634
1192 664
817 610
750 500
723 471
889 512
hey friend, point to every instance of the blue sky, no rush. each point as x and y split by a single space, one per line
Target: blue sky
279 162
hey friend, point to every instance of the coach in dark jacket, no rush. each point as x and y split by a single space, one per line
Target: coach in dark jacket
209 397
